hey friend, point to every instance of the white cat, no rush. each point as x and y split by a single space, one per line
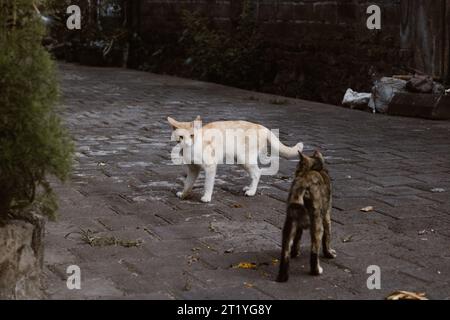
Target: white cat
241 142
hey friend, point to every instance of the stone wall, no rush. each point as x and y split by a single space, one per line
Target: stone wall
318 48
21 260
425 27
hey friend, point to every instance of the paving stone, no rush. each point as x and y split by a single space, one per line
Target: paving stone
124 184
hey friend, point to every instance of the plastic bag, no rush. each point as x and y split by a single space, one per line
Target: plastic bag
356 100
383 91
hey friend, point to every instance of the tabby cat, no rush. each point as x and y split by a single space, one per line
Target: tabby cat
308 206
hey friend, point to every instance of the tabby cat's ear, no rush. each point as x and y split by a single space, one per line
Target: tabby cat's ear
318 155
319 161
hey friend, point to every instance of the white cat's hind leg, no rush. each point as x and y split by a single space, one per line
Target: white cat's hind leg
255 174
210 176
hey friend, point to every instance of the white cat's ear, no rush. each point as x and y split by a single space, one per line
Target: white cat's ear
176 124
172 122
197 124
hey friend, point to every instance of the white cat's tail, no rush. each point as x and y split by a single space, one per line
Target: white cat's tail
284 151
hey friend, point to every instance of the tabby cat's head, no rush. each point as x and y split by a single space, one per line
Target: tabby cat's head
316 162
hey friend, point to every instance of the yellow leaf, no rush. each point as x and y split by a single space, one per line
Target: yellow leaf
245 265
407 295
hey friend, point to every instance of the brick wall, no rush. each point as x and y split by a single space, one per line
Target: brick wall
317 48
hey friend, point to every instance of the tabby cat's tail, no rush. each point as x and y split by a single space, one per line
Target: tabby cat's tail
299 211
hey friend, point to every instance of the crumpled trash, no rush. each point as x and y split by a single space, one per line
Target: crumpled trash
356 100
424 84
438 88
383 91
367 209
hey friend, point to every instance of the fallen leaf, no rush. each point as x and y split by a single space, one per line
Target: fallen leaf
406 295
187 286
191 259
211 248
231 250
347 239
367 209
245 265
236 205
275 261
212 228
248 285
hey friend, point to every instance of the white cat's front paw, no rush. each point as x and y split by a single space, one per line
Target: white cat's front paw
320 270
250 193
246 188
206 199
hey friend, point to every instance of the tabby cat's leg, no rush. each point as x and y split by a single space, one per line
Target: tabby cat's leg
192 174
326 241
289 232
210 175
296 249
255 174
316 241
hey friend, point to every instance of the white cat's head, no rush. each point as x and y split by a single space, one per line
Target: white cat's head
184 132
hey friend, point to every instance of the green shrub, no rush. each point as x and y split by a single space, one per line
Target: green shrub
33 144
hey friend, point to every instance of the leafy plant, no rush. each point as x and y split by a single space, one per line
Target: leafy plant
33 143
234 57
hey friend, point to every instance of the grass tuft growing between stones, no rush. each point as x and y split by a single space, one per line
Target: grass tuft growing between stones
91 238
